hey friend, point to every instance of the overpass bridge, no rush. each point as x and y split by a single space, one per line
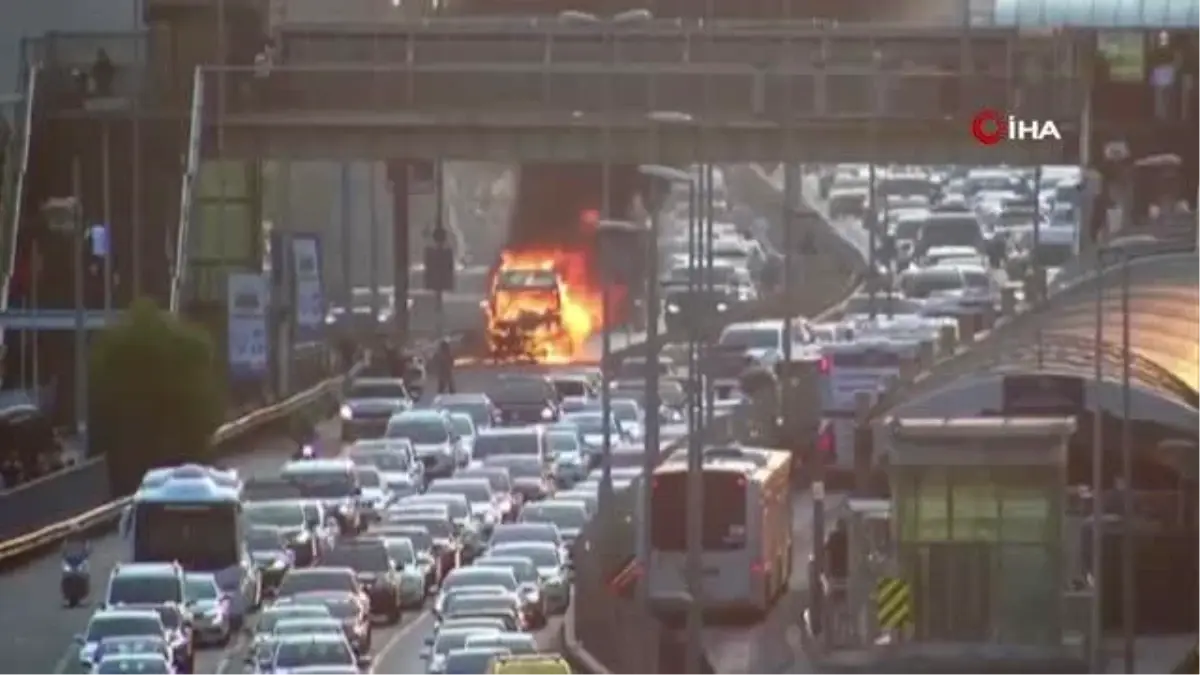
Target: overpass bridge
454 89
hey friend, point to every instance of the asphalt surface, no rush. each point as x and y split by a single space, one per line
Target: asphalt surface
36 630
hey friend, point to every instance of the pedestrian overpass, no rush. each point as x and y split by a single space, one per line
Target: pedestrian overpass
658 91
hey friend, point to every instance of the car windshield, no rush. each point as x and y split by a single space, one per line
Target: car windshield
588 422
369 477
312 653
475 491
402 487
340 606
366 557
542 556
497 477
269 619
419 536
465 577
478 410
570 388
325 484
201 589
400 550
522 533
521 467
749 338
926 282
467 603
448 639
263 540
439 528
523 570
951 231
138 589
625 410
462 423
383 460
883 305
523 391
139 663
376 390
309 627
488 445
565 516
517 643
113 626
426 431
277 515
562 442
317 579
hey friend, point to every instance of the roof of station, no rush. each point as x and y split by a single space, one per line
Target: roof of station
1060 335
1131 14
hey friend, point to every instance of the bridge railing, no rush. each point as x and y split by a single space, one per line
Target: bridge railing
709 92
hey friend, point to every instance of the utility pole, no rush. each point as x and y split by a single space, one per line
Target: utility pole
1128 577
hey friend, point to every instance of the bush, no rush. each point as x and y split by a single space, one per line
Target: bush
155 397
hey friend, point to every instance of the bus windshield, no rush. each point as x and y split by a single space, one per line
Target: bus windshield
202 537
724 514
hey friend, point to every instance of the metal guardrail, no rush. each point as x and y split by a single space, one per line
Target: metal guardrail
107 514
846 245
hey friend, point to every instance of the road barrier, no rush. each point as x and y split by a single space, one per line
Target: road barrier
624 623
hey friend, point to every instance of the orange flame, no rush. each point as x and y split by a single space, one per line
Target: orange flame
579 304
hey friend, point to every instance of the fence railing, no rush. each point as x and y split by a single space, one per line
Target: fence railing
187 189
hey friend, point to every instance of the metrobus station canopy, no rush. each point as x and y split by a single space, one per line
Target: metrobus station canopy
1058 337
1098 14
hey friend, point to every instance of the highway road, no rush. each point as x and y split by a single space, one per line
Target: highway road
36 631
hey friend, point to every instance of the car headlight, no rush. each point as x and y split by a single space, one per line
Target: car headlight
347 413
345 508
278 563
721 307
330 319
547 413
672 308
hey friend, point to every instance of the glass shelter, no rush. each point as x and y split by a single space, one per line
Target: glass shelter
978 509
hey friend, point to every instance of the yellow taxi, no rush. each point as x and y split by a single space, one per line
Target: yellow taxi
529 664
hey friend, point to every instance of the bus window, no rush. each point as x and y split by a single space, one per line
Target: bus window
201 537
724 516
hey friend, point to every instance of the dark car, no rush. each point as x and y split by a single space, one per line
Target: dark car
526 400
370 403
479 406
697 308
376 573
530 476
271 553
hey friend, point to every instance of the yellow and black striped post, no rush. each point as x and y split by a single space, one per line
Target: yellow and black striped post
893 603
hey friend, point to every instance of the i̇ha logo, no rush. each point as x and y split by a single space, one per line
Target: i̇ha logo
990 127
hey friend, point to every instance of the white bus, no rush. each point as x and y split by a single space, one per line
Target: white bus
192 515
851 367
746 530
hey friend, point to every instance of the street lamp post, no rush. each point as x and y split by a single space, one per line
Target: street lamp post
65 215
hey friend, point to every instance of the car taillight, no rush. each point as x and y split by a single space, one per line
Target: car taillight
824 366
825 442
757 568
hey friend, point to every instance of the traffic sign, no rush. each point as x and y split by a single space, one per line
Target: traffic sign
893 602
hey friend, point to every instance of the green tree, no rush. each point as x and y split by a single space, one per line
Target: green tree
155 395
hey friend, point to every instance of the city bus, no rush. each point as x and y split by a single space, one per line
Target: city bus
864 365
192 515
746 530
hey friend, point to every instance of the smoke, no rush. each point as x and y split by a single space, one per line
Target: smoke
551 198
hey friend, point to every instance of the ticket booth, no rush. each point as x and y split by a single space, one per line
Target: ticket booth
977 508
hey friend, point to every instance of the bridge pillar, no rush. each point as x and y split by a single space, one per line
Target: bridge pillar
398 180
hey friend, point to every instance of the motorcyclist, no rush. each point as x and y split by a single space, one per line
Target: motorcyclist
76 547
443 364
414 374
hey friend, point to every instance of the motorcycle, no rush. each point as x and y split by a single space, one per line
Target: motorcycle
76 581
